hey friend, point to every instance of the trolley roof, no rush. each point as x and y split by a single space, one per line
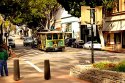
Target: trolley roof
50 32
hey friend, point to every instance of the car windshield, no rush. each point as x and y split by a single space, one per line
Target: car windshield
95 42
10 39
28 38
89 42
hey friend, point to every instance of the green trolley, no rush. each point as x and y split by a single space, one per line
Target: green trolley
51 41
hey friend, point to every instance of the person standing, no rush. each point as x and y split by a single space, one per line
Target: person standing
3 61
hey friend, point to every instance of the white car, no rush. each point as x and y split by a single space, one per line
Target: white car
96 45
27 41
11 42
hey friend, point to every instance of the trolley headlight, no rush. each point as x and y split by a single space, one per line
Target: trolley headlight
60 43
49 44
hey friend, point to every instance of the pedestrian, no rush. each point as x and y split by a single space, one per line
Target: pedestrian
11 53
4 45
3 61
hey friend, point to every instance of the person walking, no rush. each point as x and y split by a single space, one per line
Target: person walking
3 61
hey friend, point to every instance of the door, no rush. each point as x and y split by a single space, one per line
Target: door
123 39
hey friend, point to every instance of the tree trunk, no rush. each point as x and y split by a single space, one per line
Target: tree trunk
48 21
1 34
46 24
101 36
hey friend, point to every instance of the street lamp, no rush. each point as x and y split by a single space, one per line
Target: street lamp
1 34
6 35
92 20
89 16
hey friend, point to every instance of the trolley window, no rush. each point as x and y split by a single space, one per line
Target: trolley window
49 36
55 36
60 36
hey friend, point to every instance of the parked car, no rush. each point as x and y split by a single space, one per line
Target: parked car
96 45
78 44
69 41
34 43
27 41
11 42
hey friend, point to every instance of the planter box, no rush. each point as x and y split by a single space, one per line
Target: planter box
94 75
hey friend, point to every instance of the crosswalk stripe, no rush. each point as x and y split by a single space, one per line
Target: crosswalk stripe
34 66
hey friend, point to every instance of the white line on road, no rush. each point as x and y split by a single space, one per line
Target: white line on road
38 69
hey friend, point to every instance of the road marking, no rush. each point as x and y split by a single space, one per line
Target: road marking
38 69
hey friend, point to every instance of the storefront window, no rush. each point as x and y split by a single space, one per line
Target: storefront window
117 38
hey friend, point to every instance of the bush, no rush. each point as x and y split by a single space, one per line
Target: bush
121 66
106 65
101 65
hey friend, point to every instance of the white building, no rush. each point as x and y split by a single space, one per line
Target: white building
67 23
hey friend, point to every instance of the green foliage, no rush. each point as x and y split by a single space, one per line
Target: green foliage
106 65
109 4
32 13
121 66
102 65
74 6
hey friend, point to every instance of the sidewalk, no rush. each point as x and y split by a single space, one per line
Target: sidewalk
65 79
110 49
38 77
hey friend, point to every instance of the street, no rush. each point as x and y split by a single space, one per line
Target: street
32 63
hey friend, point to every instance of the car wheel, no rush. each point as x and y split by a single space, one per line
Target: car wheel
63 49
76 46
14 46
72 46
89 48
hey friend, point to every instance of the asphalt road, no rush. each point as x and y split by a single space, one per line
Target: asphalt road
32 63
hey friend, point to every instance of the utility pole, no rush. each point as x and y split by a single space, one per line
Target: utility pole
1 34
91 17
92 20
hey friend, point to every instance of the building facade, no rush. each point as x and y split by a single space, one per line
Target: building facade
90 19
67 24
114 27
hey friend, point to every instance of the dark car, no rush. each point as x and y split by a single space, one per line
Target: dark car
69 41
11 42
78 44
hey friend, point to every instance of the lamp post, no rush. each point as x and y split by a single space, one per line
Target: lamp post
1 34
6 35
92 20
91 17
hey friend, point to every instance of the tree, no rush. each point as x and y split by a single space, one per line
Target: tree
32 13
74 8
29 12
50 8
